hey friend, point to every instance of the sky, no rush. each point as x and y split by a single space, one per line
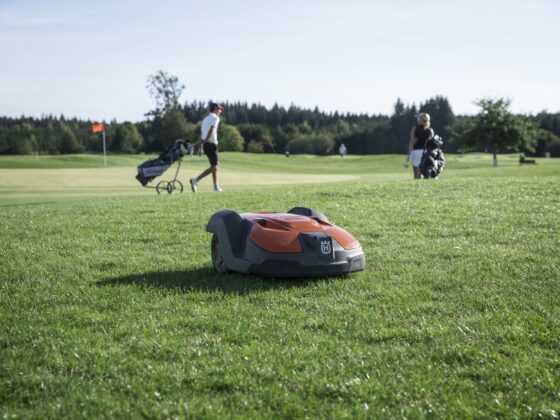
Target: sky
92 60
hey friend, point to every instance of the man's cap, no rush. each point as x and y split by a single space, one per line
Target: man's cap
214 105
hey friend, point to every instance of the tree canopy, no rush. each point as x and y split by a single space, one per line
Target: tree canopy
259 129
496 129
166 90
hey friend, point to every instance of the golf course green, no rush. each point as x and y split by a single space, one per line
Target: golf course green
110 306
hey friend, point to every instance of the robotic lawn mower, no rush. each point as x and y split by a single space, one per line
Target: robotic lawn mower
299 243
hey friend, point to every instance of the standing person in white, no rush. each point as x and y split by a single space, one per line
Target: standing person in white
209 140
342 150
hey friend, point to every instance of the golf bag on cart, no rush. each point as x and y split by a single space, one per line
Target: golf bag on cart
153 168
433 159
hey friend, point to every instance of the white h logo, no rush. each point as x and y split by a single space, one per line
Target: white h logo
326 246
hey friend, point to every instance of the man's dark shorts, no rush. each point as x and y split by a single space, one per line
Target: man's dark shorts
211 151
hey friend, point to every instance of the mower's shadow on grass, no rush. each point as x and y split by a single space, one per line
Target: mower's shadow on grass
207 280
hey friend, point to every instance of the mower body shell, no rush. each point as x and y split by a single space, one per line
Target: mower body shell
284 244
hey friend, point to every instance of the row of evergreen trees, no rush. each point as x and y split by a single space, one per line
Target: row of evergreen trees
256 128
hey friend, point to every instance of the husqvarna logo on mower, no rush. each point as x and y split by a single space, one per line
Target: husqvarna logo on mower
326 246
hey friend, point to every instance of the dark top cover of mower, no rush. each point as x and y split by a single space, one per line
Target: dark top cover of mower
299 243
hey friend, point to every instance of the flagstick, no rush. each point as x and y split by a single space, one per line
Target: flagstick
104 150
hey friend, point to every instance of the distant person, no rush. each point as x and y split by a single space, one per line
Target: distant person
418 137
342 150
209 141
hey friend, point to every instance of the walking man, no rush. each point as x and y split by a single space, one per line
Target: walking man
209 140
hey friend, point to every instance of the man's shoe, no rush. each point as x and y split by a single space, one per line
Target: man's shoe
193 184
217 189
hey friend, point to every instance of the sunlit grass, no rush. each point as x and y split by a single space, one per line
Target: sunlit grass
110 306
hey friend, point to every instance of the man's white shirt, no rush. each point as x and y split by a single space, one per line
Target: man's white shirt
211 120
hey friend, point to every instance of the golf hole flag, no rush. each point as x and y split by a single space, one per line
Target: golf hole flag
97 128
100 128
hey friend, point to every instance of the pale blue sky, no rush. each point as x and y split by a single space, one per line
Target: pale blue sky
92 59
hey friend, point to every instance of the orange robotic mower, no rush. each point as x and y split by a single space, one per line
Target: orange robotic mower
299 243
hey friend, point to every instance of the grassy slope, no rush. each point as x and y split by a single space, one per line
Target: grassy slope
65 161
110 306
52 178
299 164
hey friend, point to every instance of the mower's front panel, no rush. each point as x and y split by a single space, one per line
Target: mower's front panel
321 255
293 268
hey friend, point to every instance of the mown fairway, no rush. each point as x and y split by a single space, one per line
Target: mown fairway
110 307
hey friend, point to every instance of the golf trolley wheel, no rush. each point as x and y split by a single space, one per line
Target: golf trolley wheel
174 185
161 186
217 255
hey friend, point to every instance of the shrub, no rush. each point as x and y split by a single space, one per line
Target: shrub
317 144
230 139
255 147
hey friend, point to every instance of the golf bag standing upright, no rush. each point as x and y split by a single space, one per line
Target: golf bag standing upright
433 159
153 168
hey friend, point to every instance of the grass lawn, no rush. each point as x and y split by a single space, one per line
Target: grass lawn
110 307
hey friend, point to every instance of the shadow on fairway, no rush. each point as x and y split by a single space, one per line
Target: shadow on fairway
207 280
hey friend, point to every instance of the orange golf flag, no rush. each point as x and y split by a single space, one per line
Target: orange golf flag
97 128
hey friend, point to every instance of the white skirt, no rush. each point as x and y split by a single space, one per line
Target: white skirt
416 157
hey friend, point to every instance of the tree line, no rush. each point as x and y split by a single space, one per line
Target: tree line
256 128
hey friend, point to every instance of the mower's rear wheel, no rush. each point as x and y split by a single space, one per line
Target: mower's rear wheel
217 255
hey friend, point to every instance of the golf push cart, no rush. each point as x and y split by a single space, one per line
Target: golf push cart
299 243
153 168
